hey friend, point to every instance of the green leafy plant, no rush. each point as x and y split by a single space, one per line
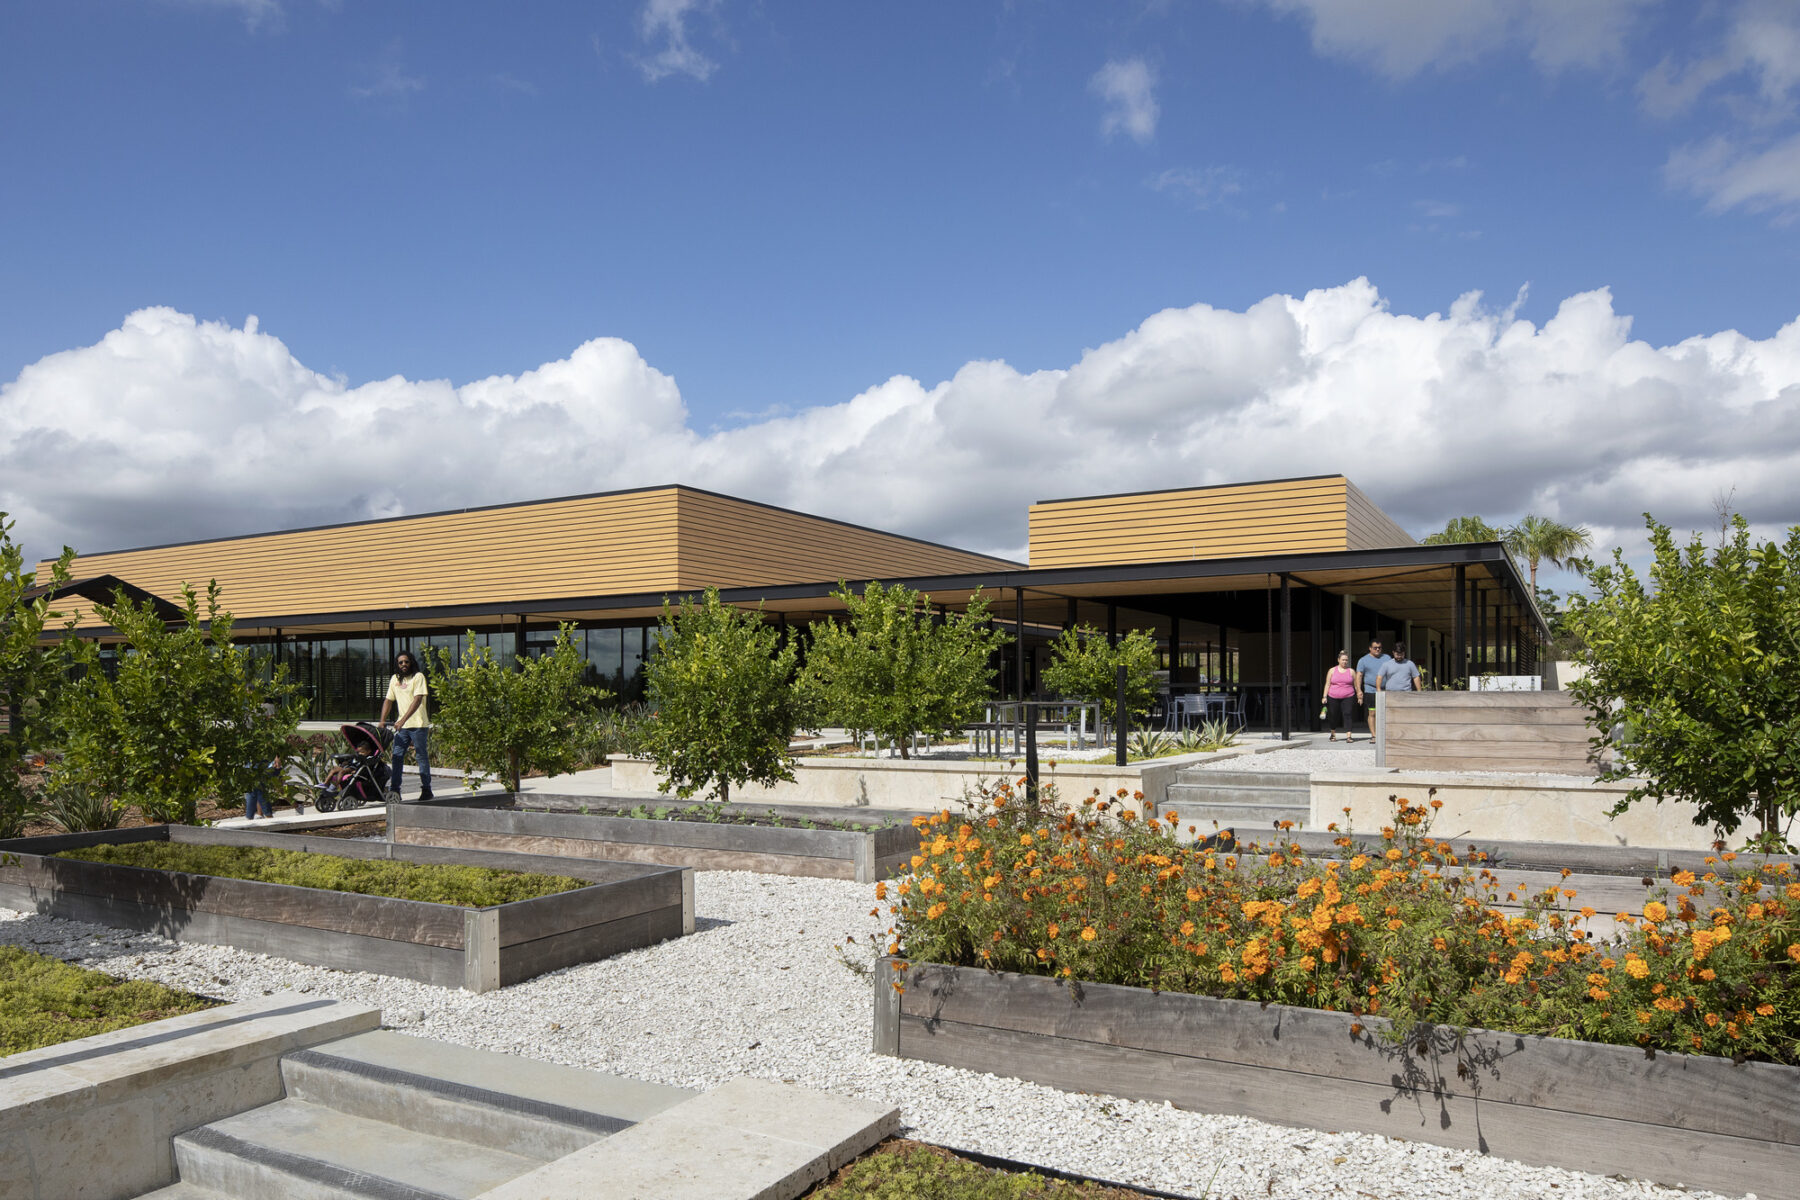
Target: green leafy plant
29 673
617 729
1085 666
73 807
915 1171
1214 733
1694 680
505 720
720 684
894 668
184 714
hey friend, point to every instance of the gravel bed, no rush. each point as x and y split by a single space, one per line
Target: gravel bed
760 989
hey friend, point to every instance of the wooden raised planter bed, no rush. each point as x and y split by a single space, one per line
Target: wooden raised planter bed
487 822
1676 1119
627 905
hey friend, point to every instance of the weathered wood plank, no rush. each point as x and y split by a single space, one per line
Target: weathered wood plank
1451 713
339 949
545 916
174 894
1552 701
529 959
1694 1092
1465 732
634 852
1534 1135
56 843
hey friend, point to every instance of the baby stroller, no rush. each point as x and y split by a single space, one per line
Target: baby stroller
360 776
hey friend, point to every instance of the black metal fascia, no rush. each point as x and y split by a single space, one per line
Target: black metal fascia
1040 580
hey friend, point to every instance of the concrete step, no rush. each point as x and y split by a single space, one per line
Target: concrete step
183 1191
1250 820
1258 780
499 1101
1192 793
293 1150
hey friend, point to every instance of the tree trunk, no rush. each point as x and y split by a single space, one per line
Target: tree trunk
512 769
904 752
724 791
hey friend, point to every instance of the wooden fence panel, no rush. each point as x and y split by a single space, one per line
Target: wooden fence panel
1484 731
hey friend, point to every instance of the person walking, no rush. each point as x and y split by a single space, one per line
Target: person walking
406 694
1368 679
1340 697
1401 674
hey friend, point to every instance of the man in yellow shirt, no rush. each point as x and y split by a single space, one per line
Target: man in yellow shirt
407 691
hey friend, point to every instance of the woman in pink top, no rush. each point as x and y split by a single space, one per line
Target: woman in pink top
1340 696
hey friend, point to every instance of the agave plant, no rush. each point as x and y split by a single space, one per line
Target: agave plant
1148 743
309 763
75 808
1215 734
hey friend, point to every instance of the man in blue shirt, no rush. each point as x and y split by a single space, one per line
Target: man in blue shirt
1368 678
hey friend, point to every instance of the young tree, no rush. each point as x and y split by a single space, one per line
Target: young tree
1536 538
184 715
720 686
28 670
894 668
1695 680
1463 529
1084 665
505 720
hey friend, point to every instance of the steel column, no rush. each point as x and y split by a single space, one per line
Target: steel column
1019 647
1459 647
1287 661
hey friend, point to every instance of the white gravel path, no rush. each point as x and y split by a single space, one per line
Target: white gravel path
759 989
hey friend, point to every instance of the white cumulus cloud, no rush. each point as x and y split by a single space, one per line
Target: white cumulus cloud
171 427
664 23
1400 38
1127 91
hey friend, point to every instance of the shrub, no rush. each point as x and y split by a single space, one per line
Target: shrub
721 688
434 883
1700 671
28 674
1083 664
45 1001
914 1171
894 668
1411 931
506 719
185 714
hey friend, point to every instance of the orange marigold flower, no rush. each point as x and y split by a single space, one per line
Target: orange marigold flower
1712 1020
1054 929
1088 934
1396 924
1682 878
1794 951
937 910
1636 967
881 890
1765 1010
1587 913
1656 910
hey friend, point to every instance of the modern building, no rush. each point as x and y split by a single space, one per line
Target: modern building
1248 588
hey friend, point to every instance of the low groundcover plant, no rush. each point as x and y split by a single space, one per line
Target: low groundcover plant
435 883
45 1001
1411 932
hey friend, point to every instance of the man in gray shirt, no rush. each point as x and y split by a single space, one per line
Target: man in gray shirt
1368 680
1401 673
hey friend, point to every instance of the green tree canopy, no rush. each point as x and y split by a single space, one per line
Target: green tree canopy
29 671
894 668
1694 680
185 713
504 720
720 684
1537 538
1084 665
1463 529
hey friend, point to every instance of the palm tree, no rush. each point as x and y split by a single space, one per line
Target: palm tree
1536 537
1463 529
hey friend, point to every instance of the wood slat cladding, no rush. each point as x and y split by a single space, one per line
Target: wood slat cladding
618 543
1486 731
728 543
1288 516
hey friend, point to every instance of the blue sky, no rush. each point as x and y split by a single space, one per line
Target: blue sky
781 206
